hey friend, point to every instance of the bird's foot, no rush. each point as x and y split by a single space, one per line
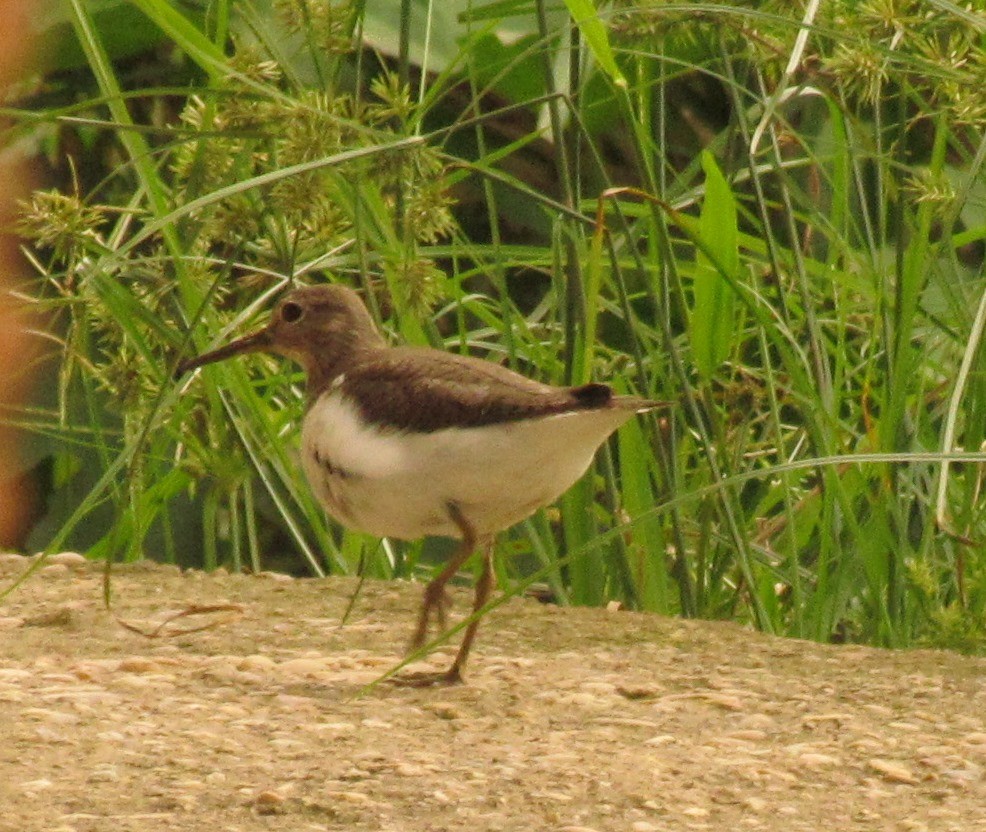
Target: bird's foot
429 678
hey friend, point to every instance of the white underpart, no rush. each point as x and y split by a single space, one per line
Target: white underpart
399 484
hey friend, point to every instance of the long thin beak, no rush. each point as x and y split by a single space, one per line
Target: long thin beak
255 342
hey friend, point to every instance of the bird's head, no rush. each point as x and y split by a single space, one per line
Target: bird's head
317 326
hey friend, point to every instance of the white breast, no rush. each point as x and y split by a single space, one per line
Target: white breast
398 484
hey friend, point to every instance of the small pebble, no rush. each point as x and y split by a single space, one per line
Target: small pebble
73 559
724 700
256 663
270 796
748 734
350 797
34 786
138 664
813 759
104 774
269 802
61 617
755 804
302 667
635 692
446 710
893 772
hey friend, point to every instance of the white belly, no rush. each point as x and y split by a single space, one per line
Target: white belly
393 484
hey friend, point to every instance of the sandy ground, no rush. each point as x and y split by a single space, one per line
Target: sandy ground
572 719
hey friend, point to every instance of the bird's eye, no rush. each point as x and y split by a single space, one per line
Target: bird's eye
291 313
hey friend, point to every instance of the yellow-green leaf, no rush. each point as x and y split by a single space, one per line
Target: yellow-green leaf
713 318
586 17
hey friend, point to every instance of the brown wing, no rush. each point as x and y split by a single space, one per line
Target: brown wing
424 390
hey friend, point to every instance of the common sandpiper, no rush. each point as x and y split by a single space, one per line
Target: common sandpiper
406 442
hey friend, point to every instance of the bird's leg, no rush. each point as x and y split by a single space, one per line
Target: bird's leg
483 587
435 597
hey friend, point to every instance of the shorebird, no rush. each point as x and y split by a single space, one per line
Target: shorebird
408 442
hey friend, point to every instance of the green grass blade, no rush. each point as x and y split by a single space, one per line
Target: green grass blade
713 320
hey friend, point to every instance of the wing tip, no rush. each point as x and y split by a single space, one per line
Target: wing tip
594 395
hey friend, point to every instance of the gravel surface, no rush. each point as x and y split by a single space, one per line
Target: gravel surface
572 720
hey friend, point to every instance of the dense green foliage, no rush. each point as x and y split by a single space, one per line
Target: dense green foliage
772 214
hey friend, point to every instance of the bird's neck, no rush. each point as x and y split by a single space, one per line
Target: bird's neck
334 358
